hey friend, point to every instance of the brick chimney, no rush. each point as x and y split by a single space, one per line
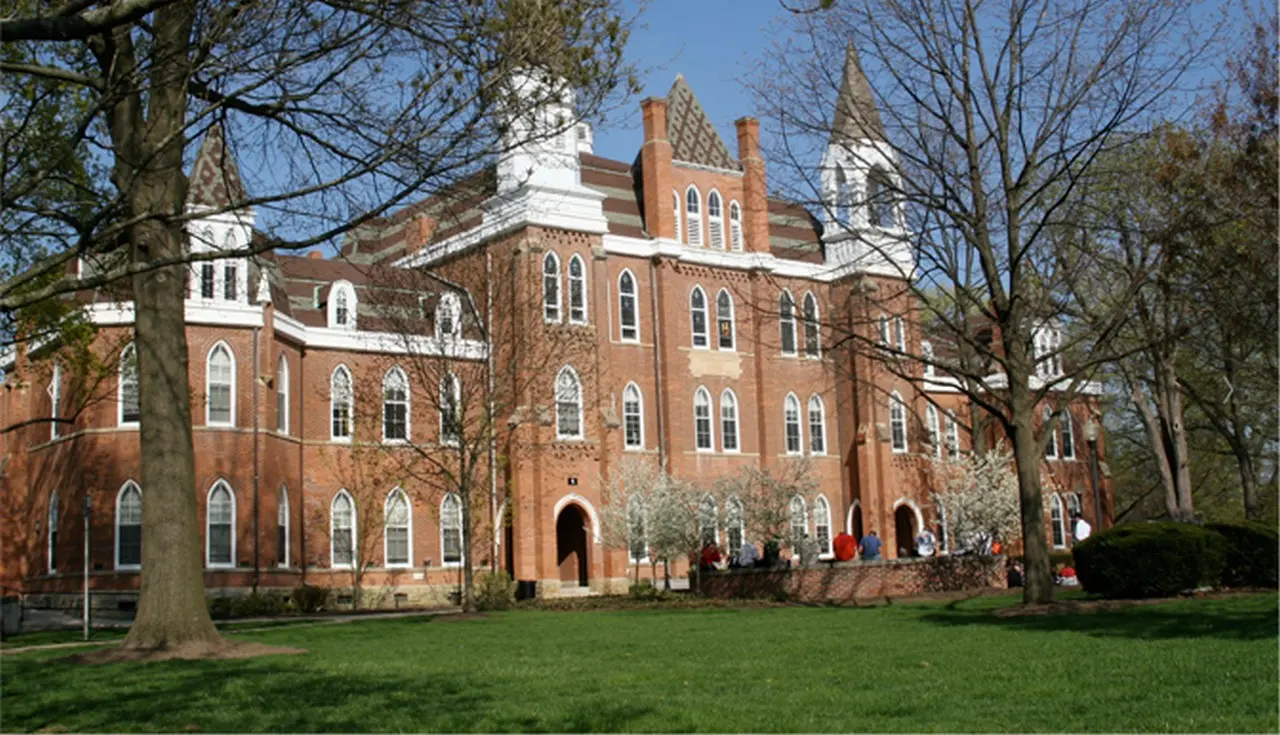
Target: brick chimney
418 233
755 210
315 255
656 170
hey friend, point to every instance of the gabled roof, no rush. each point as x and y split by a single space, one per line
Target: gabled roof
857 117
693 138
215 178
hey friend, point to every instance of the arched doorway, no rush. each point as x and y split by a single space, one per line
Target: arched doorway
855 526
904 526
571 545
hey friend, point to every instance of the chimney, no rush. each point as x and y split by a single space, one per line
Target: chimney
656 170
315 255
418 233
755 210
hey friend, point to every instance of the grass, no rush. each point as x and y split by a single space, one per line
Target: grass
1196 665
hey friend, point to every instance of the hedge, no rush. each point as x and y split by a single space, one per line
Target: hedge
1150 560
1251 554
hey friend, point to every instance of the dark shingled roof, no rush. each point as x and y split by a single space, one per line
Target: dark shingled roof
693 138
215 178
857 117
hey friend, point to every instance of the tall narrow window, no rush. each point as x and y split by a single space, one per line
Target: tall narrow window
811 345
53 532
1057 522
879 199
282 528
724 320
397 539
791 420
395 406
220 526
221 391
708 520
735 227
628 318
551 287
230 280
342 309
799 519
55 399
632 417
900 333
822 525
206 280
935 436
340 406
734 525
884 330
342 532
953 436
451 530
637 538
728 421
448 316
577 291
897 423
926 356
282 395
715 220
129 527
1068 437
817 426
702 420
450 410
698 316
1051 445
675 196
693 215
130 410
787 322
568 404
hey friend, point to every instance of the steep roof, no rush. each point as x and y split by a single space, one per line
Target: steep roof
215 178
857 117
693 138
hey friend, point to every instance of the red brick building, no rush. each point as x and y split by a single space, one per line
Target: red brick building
665 308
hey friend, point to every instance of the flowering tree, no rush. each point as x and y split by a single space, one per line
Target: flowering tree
767 497
978 497
651 514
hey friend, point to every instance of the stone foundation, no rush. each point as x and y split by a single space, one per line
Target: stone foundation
851 581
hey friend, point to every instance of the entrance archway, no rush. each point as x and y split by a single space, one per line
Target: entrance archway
855 522
904 526
571 545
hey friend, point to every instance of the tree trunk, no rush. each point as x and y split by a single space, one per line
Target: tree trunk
1178 438
171 606
1038 584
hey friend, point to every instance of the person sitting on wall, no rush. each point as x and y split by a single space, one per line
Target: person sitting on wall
1067 576
871 547
996 548
845 547
1015 574
748 555
710 555
926 544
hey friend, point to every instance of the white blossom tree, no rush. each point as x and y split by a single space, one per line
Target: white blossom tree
978 497
767 495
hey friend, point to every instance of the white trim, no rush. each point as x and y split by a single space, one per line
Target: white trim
690 216
914 509
679 213
591 513
822 413
55 399
786 403
704 167
737 422
817 325
555 390
456 383
582 265
640 403
554 258
351 404
706 319
734 502
208 526
848 519
1055 503
733 322
120 385
1052 444
386 506
829 551
635 307
952 428
735 227
795 333
208 385
51 520
804 512
896 402
715 517
716 219
336 289
282 390
711 427
282 502
119 496
1066 428
934 427
450 306
355 554
408 407
462 546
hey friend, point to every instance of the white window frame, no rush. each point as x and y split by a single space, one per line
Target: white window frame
350 403
1068 440
953 436
784 321
128 485
462 546
339 289
581 280
926 358
639 414
129 349
883 325
693 215
702 397
734 510
552 279
448 309
788 403
935 431
815 322
715 220
694 309
352 531
735 227
733 324
208 385
51 534
820 506
582 429
1051 446
623 295
208 526
282 514
900 334
736 419
898 417
804 516
1058 525
390 375
282 395
815 401
55 398
450 381
675 196
708 502
397 492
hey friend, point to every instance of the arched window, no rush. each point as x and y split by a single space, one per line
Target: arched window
220 387
340 404
398 534
632 417
787 322
822 525
342 305
1068 436
734 525
53 532
675 196
791 420
935 436
55 399
698 316
1051 443
451 530
551 287
1056 520
708 520
568 404
724 320
900 333
953 436
884 330
729 421
817 426
450 410
342 532
282 395
843 199
735 227
220 526
129 526
282 528
395 406
628 316
130 409
811 346
577 290
897 423
799 519
879 199
448 316
693 215
715 220
637 531
926 355
702 420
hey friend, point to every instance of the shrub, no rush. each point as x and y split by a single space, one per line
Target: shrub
1150 560
256 605
644 590
308 598
1251 554
219 607
494 591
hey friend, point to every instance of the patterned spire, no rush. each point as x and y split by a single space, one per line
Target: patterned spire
857 117
693 138
215 178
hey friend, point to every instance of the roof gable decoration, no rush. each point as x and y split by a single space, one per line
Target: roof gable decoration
856 116
693 137
215 178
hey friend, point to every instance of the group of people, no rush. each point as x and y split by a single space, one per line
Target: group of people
1064 575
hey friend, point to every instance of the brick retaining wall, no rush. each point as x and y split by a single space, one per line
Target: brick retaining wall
849 581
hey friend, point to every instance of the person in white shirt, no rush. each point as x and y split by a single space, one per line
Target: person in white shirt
926 544
1080 529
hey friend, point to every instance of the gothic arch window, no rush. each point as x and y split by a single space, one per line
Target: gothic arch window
729 439
342 531
1068 436
341 406
395 406
897 423
702 420
282 528
799 519
52 531
715 220
398 533
130 408
675 196
1051 445
817 426
129 526
708 520
1057 521
220 526
822 525
900 333
551 287
577 290
632 417
953 437
735 227
449 316
734 524
451 530
342 305
926 355
693 215
568 404
698 317
628 314
791 423
55 399
787 322
282 395
725 327
450 410
935 435
812 346
883 324
220 387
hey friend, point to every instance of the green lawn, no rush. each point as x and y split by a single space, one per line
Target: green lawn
1207 665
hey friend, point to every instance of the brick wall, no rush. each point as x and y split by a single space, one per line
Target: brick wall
849 581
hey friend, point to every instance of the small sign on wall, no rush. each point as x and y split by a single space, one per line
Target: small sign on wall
573 482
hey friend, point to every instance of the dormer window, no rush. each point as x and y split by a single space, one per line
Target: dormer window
342 305
448 312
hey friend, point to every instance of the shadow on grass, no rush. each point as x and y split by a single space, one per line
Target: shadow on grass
1240 620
